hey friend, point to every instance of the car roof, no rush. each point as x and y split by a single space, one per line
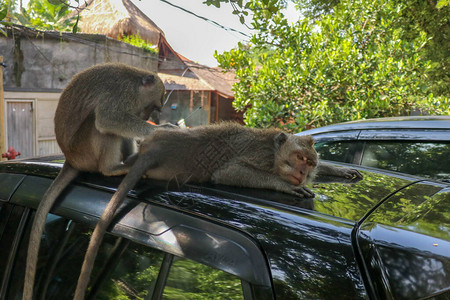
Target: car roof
330 191
410 122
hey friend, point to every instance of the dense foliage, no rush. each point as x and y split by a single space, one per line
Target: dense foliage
39 14
356 59
415 16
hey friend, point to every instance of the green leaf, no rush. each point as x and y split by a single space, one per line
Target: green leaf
441 3
216 3
3 13
23 20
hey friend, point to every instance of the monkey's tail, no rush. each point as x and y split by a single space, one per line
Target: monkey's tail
125 186
65 176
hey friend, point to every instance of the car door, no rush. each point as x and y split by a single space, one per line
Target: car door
153 253
404 245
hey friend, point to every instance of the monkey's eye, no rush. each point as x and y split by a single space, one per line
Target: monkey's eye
301 157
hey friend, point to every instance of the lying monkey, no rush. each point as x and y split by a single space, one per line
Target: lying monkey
99 113
224 154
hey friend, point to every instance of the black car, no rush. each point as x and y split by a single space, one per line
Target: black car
412 145
386 236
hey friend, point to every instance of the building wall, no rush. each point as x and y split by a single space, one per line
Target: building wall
49 60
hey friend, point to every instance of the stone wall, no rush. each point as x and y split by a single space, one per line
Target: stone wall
43 61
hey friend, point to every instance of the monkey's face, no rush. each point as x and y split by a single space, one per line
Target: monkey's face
300 166
296 160
152 94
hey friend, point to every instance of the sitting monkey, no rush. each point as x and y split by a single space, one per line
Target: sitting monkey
224 154
99 114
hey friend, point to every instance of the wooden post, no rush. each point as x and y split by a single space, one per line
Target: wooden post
191 103
209 107
217 107
2 112
202 95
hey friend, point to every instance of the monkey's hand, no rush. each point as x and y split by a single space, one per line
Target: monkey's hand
301 192
330 170
168 126
351 173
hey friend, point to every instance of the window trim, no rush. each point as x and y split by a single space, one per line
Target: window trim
18 236
163 275
405 135
346 135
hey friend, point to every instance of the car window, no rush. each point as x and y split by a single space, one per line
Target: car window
123 269
342 151
427 159
190 280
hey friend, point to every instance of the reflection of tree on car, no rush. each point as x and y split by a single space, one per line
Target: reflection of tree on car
422 159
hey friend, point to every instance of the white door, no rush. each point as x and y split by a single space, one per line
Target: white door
19 124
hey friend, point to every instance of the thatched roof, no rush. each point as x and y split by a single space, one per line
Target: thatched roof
116 18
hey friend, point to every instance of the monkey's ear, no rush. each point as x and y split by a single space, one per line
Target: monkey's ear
310 140
280 139
148 80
